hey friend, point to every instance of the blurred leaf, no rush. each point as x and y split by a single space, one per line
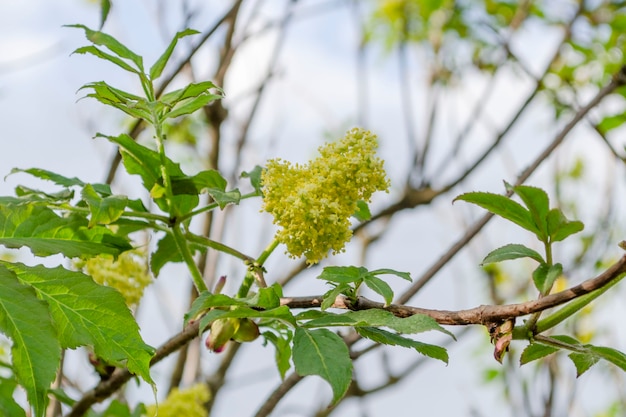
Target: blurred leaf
283 351
167 251
157 68
539 276
35 352
388 338
609 354
554 272
8 405
511 251
105 8
611 122
362 212
206 301
323 353
279 313
503 207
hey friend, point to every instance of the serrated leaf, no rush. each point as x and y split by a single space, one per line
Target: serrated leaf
609 354
46 233
582 362
88 314
29 194
191 105
392 339
130 104
103 210
387 271
115 46
511 251
35 352
157 67
323 353
212 182
255 178
380 287
503 207
538 203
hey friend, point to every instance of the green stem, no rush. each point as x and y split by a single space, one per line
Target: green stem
267 252
203 241
213 206
573 307
531 324
183 248
545 340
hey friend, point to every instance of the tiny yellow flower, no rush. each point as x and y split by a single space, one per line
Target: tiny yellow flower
187 402
312 203
128 274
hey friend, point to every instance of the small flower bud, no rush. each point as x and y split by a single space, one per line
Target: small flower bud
222 330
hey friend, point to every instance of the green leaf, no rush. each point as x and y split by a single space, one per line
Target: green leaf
387 271
27 194
331 295
167 251
582 362
539 276
343 274
554 272
611 122
609 354
281 313
103 210
503 207
107 57
102 189
538 204
46 233
190 91
8 406
388 338
362 212
35 352
146 163
206 301
105 8
535 351
103 39
560 228
255 178
266 298
380 287
88 314
283 351
511 251
323 353
130 104
157 68
214 184
190 106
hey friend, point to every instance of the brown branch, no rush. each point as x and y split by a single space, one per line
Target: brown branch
271 402
483 314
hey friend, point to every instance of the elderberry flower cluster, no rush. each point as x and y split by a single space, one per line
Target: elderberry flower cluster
128 273
312 203
188 402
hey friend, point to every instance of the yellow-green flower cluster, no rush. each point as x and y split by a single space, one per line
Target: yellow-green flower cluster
187 402
312 203
128 274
